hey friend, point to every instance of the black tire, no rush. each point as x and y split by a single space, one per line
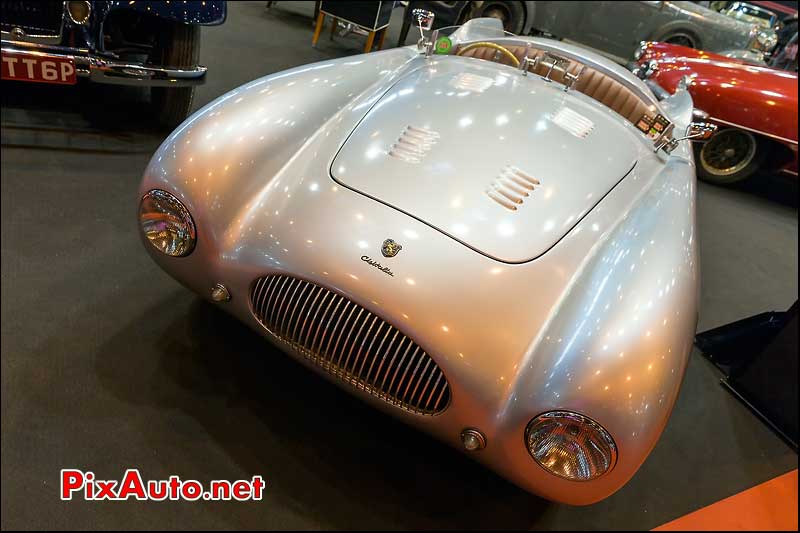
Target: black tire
178 46
511 13
730 156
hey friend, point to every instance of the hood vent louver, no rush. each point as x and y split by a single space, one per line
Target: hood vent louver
467 81
511 187
413 144
572 122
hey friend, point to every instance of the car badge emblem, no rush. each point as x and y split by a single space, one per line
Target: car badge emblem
390 248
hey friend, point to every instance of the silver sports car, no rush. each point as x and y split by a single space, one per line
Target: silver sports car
489 237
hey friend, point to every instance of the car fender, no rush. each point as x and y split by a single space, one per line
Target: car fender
617 346
287 109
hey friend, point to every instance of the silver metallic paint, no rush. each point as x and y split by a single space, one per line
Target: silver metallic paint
601 324
448 192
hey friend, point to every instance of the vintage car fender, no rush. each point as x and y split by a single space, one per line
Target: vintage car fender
761 99
732 92
602 323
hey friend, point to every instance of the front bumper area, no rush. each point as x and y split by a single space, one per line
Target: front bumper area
108 70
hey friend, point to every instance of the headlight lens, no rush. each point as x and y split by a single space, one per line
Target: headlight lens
166 223
570 445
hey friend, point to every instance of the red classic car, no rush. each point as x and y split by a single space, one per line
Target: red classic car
755 107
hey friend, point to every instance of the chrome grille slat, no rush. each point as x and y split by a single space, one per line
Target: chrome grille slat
411 377
369 348
399 366
269 296
355 339
269 290
405 371
350 343
263 290
383 357
419 381
315 309
284 310
363 341
284 301
349 332
297 309
430 396
322 321
441 397
282 292
347 306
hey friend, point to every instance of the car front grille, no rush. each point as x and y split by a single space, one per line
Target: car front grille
350 343
35 18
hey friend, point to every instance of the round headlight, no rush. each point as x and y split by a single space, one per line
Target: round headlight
166 223
79 11
570 445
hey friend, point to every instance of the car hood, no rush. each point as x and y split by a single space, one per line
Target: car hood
506 164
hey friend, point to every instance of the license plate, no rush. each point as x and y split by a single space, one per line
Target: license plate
38 67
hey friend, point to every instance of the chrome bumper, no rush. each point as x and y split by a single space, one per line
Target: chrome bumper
106 70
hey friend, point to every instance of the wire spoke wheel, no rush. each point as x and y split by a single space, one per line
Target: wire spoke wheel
728 152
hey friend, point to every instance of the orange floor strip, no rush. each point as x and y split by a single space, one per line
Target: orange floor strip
771 506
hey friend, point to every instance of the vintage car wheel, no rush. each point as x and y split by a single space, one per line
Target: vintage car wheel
677 35
179 46
512 14
730 156
681 39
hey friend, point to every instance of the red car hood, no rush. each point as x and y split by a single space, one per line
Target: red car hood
759 98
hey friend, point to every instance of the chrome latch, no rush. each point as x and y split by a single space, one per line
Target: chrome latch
528 63
554 62
571 79
695 131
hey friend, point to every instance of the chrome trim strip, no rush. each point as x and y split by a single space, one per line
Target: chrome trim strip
106 70
765 134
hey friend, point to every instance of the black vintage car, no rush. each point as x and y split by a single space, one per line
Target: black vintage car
150 44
